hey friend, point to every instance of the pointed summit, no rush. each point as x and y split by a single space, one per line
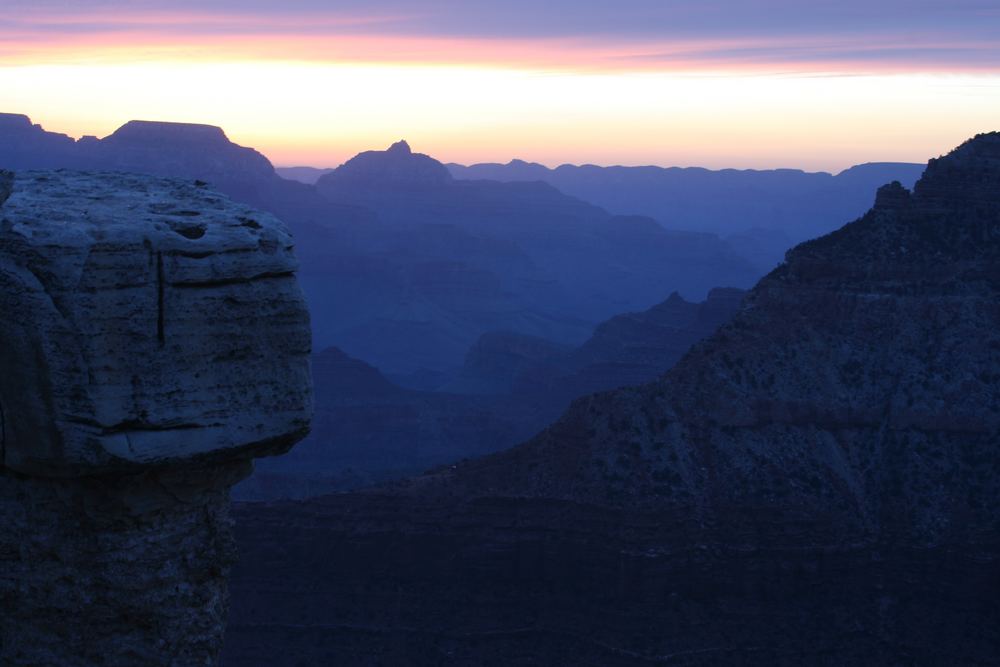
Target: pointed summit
400 148
396 167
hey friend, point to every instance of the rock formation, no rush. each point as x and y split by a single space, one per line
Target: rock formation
153 341
816 483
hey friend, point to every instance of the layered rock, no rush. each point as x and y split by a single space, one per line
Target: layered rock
153 342
816 483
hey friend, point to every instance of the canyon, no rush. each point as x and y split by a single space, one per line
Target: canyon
814 483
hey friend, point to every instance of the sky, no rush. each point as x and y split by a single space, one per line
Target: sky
817 84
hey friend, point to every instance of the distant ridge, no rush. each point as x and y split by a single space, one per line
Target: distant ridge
770 210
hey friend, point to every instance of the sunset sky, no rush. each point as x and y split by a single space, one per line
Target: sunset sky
818 84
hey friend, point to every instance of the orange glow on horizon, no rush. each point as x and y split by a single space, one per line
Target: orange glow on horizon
316 89
300 113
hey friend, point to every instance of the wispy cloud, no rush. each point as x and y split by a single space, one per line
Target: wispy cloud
822 36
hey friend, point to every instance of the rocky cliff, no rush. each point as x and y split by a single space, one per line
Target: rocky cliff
816 483
153 341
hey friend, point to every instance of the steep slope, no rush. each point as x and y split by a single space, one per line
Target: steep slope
816 483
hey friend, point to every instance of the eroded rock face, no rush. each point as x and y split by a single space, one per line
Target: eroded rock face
145 321
153 340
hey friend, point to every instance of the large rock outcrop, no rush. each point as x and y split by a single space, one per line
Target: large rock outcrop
153 341
816 483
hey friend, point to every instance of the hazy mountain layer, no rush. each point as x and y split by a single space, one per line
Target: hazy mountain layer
762 212
405 267
533 260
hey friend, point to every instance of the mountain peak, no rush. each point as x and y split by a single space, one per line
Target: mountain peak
397 166
400 148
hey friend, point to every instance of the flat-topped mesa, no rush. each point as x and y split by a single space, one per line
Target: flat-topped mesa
153 341
160 131
189 149
14 122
